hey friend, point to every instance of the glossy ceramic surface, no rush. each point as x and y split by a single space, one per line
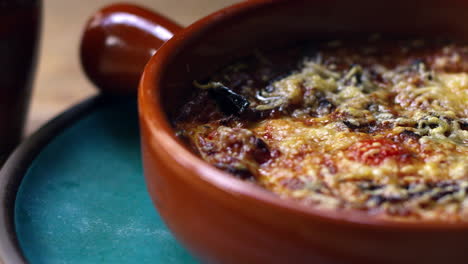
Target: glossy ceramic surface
87 202
118 41
236 222
19 36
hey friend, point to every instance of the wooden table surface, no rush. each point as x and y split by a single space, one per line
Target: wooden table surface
60 82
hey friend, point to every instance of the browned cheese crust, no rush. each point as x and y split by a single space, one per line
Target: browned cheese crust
378 125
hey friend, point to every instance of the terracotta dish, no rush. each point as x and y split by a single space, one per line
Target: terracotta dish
222 219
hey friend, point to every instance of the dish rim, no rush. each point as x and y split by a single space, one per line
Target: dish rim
18 164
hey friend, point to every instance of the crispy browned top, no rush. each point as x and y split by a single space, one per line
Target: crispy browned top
375 125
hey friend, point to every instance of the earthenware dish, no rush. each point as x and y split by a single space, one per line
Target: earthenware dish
222 219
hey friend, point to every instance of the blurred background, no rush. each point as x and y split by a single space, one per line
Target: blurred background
60 82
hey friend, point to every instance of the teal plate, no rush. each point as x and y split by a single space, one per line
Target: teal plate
82 198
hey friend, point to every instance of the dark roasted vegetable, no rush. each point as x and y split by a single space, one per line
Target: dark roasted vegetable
261 153
410 134
463 124
241 173
228 101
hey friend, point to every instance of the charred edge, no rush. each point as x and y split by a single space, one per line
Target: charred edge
369 186
446 189
365 128
262 152
241 173
408 134
463 125
254 115
325 107
380 199
226 121
439 195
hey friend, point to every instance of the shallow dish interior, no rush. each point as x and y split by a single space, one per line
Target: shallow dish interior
269 26
217 40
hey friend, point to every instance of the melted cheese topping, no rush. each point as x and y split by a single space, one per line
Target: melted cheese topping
390 139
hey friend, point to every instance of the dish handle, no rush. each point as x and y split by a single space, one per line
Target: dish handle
118 41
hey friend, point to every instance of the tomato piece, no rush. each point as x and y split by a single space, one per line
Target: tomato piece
375 151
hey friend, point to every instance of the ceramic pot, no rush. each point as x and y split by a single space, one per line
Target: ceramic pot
225 220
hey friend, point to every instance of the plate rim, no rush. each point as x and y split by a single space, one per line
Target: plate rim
18 163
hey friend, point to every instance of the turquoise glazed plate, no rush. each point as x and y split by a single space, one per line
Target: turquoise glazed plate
75 193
